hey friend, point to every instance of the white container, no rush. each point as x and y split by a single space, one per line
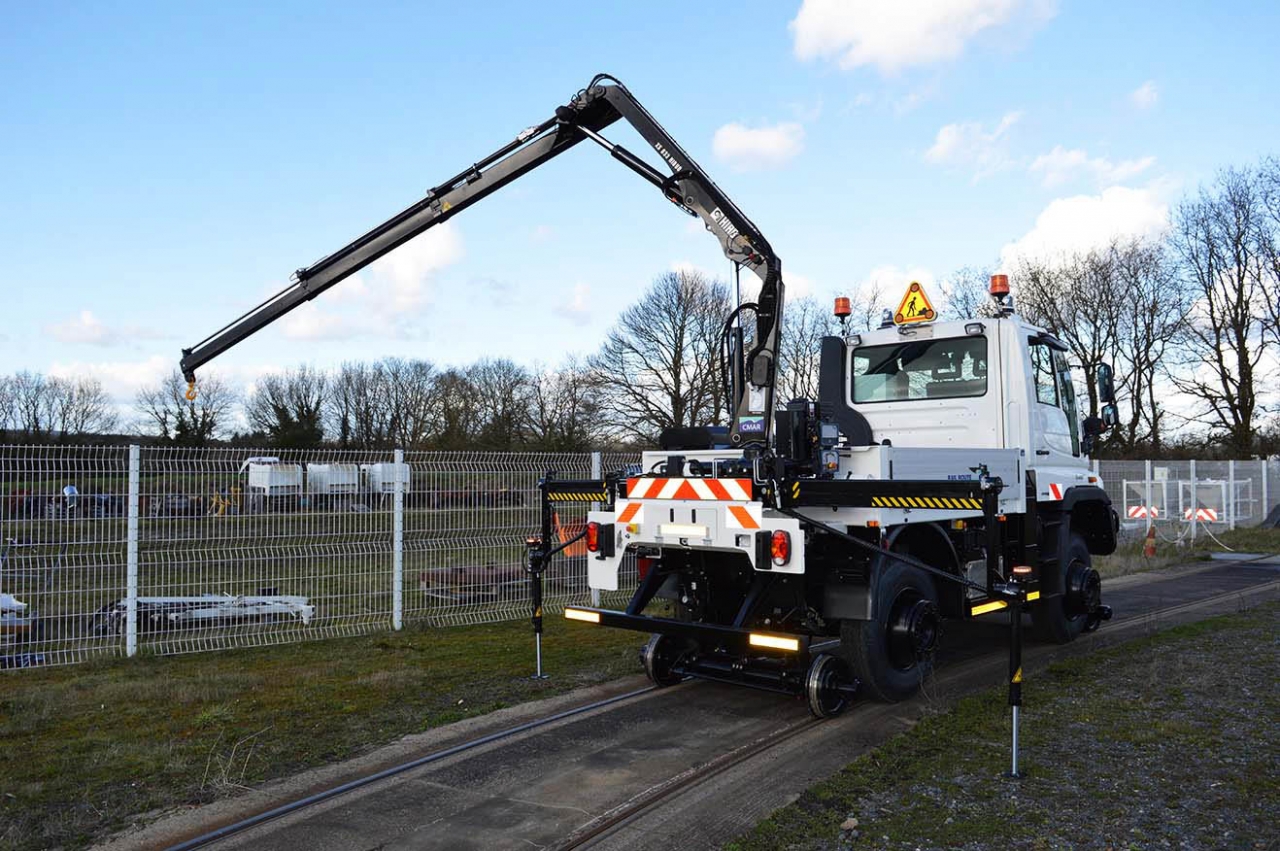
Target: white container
381 478
275 479
332 478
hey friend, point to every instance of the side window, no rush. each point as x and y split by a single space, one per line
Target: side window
1044 373
1067 392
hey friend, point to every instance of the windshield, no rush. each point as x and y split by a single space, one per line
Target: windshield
921 369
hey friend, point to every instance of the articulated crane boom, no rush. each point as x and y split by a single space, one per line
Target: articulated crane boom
591 110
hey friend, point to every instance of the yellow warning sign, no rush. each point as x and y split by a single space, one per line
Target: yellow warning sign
915 307
1017 676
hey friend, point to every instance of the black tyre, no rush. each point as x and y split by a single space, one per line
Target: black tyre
893 653
829 686
659 656
1059 619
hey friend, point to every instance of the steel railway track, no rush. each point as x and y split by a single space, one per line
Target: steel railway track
654 796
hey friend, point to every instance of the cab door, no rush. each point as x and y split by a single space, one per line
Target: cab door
1054 421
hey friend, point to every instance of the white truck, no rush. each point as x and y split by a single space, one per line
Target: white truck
942 464
955 444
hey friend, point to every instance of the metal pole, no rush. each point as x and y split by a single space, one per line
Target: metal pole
538 563
397 546
1146 475
1015 669
1194 502
131 573
597 472
1231 495
1266 504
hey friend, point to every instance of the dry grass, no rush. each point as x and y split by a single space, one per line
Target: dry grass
91 747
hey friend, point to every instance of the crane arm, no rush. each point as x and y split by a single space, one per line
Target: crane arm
591 110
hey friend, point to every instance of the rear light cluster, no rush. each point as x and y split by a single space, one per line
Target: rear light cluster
600 539
780 547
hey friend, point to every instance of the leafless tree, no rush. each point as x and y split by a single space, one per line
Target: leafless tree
359 406
563 413
80 406
458 416
1269 244
33 405
659 365
165 409
410 396
964 292
1074 297
805 322
502 390
289 407
1224 238
7 406
1152 317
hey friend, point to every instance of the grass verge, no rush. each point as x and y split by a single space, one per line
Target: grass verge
1128 557
88 748
1163 742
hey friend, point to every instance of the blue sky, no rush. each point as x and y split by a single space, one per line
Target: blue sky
166 166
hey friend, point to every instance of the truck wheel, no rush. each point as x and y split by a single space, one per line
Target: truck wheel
659 656
893 653
1060 619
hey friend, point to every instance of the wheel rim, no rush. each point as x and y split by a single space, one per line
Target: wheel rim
912 629
1083 590
827 676
659 657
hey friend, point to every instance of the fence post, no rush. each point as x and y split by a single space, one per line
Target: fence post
1146 481
397 545
597 472
1231 495
1266 470
131 572
1194 503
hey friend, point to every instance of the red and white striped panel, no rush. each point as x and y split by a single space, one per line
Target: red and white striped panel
1208 515
1055 490
1141 512
747 516
735 490
630 512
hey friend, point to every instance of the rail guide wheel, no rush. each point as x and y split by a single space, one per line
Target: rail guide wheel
659 656
829 686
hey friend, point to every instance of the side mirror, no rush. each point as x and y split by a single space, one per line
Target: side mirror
1110 416
1106 385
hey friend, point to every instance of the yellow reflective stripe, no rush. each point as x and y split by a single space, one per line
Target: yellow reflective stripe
1033 595
993 606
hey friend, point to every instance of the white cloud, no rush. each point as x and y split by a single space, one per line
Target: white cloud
684 267
754 149
542 233
1061 165
577 309
972 145
898 35
1082 222
892 281
798 286
85 328
1145 96
121 379
398 289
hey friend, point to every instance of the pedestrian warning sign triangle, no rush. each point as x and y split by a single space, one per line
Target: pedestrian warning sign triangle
915 307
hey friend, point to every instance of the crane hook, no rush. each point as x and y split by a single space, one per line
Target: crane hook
191 390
